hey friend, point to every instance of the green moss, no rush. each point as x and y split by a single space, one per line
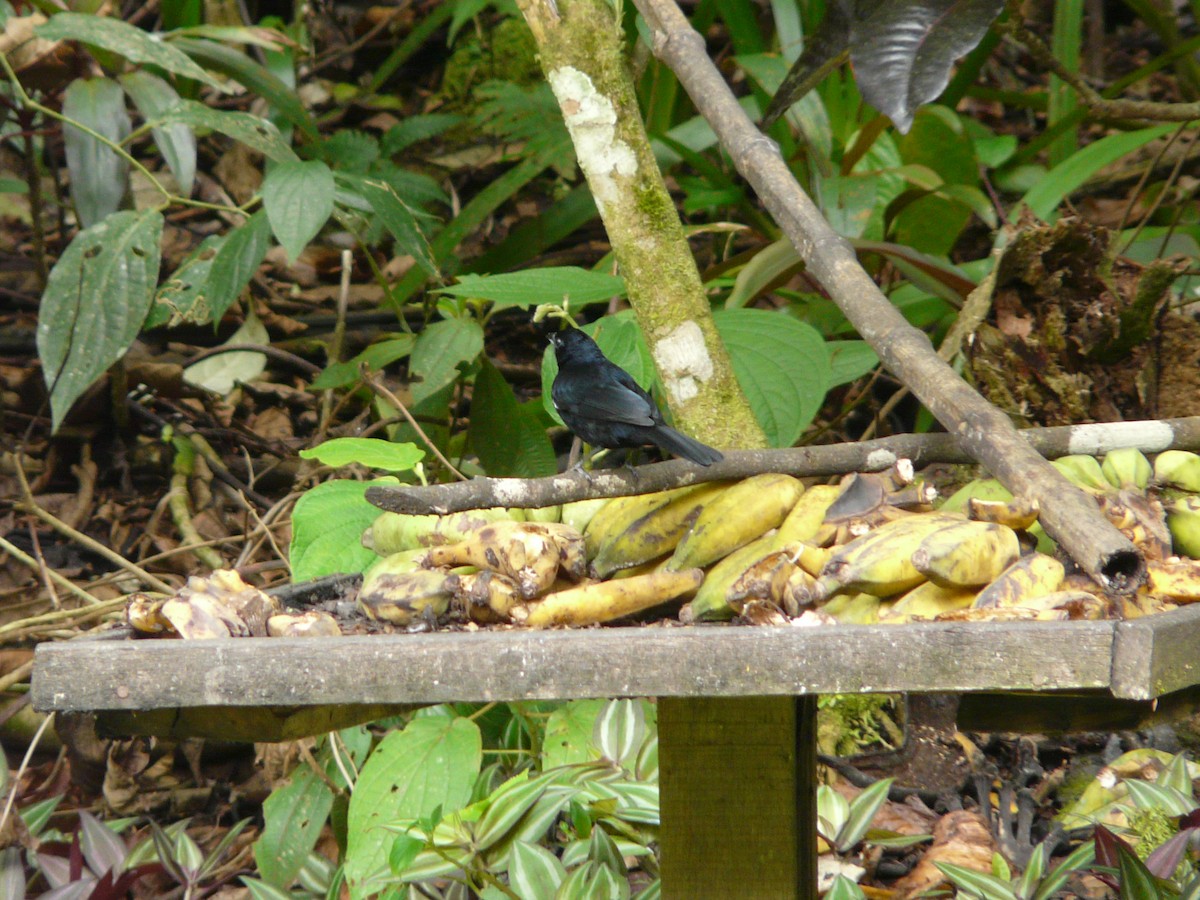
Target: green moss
1152 828
848 724
507 53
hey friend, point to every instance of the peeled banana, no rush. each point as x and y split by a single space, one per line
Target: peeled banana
524 551
928 601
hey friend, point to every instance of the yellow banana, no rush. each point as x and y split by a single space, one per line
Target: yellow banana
620 512
854 609
880 562
1019 514
745 511
403 596
805 519
1127 468
1178 581
1183 521
927 601
523 551
654 534
604 601
579 513
1029 577
988 489
967 554
1178 468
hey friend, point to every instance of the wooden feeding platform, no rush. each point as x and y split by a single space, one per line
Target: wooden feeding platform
736 704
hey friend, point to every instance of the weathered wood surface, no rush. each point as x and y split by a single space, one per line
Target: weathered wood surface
611 662
250 724
735 785
1071 713
1157 654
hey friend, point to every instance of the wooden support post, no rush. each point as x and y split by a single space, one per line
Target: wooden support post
738 797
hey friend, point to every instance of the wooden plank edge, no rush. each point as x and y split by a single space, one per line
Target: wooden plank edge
1157 654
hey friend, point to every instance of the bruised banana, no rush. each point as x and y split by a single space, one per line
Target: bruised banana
524 551
1178 468
400 597
966 554
1177 581
880 562
743 512
655 534
392 532
1127 468
486 596
805 519
1028 578
619 513
928 601
604 601
712 601
1183 521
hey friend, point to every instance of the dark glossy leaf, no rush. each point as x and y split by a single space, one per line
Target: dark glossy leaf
507 436
830 39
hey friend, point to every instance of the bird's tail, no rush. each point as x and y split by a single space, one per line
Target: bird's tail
689 448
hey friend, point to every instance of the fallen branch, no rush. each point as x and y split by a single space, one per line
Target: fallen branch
1068 514
1152 436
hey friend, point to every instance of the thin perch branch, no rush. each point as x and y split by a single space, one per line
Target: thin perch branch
834 459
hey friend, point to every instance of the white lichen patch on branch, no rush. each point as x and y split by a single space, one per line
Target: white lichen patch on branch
592 121
683 362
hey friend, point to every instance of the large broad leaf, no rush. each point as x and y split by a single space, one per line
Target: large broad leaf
99 176
440 350
223 372
96 299
327 527
430 765
531 287
119 37
256 133
176 142
235 262
508 437
373 453
783 368
298 197
294 816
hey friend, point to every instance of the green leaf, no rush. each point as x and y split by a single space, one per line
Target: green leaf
1080 857
989 887
400 221
255 132
99 176
222 372
125 40
531 287
293 817
1159 796
768 264
239 66
862 811
404 852
782 365
568 735
236 261
430 765
1176 776
415 129
1136 881
373 453
1044 198
298 198
619 731
96 299
534 871
375 357
507 805
440 350
327 527
181 297
849 360
261 890
176 142
844 889
508 437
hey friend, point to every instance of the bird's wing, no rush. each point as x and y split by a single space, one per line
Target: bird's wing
615 401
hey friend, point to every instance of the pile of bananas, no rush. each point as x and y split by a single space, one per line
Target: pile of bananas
768 551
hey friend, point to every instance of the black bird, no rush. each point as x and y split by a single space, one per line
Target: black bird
605 407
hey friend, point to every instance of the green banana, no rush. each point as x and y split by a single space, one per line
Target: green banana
1127 468
743 512
655 534
968 554
392 532
1178 468
880 562
1183 521
1027 578
712 599
578 513
1083 472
